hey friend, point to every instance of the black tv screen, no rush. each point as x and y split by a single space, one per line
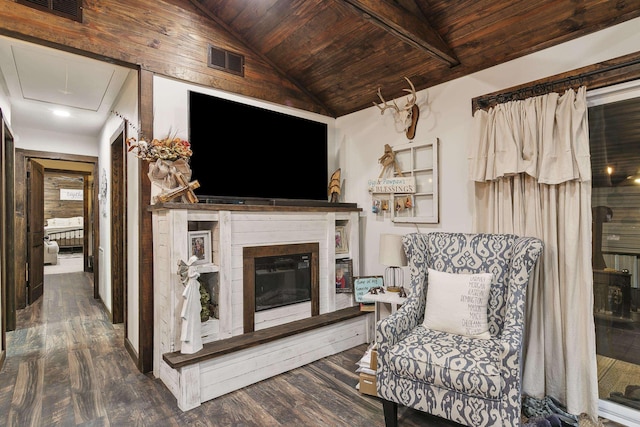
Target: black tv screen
241 151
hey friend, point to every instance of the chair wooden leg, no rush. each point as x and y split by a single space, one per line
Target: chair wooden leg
390 413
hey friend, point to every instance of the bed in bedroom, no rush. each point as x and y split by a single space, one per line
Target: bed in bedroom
68 233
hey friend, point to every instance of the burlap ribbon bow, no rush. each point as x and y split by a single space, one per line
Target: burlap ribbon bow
163 172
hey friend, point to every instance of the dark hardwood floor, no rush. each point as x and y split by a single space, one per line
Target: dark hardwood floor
67 366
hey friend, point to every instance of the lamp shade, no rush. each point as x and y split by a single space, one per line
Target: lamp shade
391 251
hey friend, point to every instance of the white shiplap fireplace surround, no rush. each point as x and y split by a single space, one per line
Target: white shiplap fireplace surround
232 359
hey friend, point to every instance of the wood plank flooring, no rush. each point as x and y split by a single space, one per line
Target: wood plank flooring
67 366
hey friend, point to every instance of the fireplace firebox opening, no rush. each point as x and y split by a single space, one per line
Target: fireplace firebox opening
279 275
282 280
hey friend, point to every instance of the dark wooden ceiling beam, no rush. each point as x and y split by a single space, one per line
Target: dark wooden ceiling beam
275 66
407 27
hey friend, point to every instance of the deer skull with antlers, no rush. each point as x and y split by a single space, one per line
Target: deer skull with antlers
405 117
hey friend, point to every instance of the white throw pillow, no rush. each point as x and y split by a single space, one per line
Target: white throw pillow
457 303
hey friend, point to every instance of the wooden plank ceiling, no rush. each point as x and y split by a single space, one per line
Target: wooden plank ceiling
340 51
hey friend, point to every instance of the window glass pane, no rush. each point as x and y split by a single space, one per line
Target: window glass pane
614 133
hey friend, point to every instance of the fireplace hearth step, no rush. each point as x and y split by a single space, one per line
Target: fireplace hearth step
229 345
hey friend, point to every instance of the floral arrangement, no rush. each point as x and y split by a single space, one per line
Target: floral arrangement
169 148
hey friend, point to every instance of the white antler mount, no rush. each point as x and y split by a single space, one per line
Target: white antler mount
405 117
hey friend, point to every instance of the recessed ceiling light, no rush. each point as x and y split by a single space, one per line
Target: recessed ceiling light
61 113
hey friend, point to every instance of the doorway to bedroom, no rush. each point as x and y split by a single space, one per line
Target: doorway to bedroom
59 209
64 249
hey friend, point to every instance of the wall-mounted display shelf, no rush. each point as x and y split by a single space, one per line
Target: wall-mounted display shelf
420 162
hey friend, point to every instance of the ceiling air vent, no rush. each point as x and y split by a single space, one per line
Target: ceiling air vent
224 60
71 9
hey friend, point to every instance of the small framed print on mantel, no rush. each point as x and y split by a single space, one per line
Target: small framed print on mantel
342 243
200 246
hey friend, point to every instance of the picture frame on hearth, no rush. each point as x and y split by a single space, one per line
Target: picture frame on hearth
363 284
200 246
342 242
344 276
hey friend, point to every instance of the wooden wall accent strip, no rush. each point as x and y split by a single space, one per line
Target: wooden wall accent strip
145 242
168 38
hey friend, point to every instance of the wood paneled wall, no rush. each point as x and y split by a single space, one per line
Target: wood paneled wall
53 206
158 37
166 37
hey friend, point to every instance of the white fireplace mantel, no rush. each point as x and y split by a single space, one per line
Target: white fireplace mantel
232 228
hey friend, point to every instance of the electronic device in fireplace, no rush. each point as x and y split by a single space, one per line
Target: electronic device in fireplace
282 280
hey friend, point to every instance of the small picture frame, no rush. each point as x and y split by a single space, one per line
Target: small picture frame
342 243
200 246
344 276
363 284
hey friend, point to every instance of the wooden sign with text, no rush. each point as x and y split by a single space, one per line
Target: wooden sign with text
402 185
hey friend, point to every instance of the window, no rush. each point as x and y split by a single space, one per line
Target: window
614 137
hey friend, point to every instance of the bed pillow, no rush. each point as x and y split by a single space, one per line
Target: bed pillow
457 303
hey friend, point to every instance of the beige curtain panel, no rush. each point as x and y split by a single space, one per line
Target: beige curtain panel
530 164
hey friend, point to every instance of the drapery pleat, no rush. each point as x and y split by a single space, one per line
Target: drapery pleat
531 166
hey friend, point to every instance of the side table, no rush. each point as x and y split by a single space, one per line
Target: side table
386 303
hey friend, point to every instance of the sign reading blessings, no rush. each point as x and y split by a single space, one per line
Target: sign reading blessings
393 185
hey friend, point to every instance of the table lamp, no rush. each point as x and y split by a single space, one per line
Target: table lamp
392 255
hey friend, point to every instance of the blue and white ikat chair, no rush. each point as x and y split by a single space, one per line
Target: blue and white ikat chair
465 369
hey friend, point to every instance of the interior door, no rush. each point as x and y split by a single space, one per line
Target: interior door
118 230
35 231
5 307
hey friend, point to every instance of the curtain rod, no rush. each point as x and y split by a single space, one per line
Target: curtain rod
542 88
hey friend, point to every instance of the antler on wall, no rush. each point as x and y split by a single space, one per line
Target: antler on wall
406 116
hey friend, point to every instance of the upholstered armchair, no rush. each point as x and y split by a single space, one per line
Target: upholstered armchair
457 363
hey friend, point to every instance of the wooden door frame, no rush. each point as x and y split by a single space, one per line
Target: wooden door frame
23 156
7 268
145 235
144 355
118 231
8 232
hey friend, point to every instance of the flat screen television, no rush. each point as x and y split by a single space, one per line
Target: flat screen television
242 152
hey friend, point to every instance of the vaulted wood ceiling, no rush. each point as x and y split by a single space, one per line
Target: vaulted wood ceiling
340 51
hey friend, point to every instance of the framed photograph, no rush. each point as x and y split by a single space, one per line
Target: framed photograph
344 276
200 246
342 243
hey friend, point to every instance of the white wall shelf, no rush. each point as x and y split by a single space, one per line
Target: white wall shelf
419 161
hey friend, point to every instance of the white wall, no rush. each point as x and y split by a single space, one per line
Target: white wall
5 104
127 106
55 142
446 114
